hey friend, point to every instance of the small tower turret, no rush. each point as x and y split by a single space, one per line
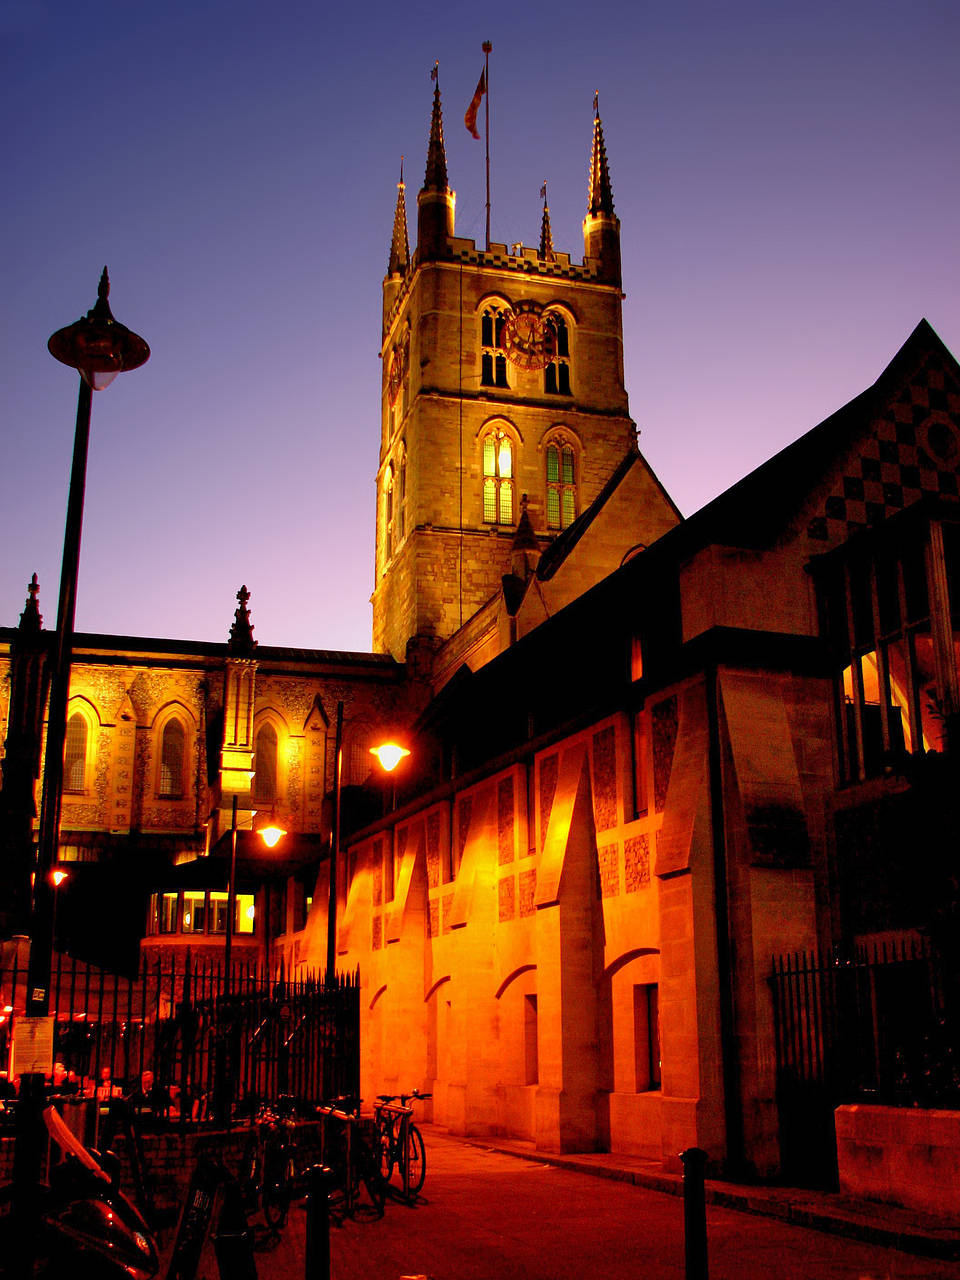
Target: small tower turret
399 262
435 202
601 226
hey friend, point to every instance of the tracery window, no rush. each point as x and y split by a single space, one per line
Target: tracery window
493 360
886 613
498 471
172 746
561 484
75 754
556 374
265 763
401 481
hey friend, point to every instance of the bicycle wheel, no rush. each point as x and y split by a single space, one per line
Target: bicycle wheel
371 1178
416 1161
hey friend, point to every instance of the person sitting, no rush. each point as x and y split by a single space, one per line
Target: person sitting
150 1102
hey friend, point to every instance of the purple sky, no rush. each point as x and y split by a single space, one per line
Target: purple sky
786 177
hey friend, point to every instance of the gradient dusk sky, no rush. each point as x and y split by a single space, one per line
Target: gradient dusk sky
786 176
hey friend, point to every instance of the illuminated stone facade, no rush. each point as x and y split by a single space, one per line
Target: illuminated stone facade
649 756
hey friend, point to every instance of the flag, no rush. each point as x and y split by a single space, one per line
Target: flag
434 74
470 119
596 102
543 192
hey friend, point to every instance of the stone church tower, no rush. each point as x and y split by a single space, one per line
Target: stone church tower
503 393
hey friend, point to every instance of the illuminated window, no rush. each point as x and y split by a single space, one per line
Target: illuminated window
556 375
218 912
194 912
75 754
561 485
493 361
171 759
168 913
265 763
497 478
245 913
884 612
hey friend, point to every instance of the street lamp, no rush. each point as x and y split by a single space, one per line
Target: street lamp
57 877
99 348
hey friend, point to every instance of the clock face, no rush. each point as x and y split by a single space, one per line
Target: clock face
528 337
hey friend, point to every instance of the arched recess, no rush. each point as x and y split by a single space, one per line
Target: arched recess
499 447
630 1026
172 778
379 992
270 747
439 1002
80 748
512 977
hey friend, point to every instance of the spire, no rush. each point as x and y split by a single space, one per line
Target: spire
241 643
399 245
435 201
436 175
601 193
546 235
31 620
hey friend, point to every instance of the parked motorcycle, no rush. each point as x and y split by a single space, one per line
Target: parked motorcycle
88 1228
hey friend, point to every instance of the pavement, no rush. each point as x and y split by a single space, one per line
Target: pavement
499 1210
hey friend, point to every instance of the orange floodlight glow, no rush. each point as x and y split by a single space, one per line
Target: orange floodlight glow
271 836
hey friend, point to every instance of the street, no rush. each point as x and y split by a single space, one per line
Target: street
484 1214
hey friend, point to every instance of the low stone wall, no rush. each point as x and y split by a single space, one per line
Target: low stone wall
902 1155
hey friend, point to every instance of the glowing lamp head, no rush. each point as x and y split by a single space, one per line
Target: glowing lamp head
57 878
271 836
389 755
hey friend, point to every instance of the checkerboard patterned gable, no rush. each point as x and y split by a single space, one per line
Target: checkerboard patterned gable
912 450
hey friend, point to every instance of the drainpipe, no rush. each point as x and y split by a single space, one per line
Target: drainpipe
729 1060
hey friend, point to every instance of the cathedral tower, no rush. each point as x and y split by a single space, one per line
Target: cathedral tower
502 377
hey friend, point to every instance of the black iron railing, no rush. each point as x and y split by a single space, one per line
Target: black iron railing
213 1053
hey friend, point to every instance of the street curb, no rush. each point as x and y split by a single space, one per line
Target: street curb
945 1245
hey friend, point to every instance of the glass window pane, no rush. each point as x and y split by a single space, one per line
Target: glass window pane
486 330
560 327
171 764
502 371
568 507
75 753
553 463
568 466
218 912
490 501
931 710
901 726
245 913
505 459
550 379
490 456
194 914
486 369
506 503
168 913
265 763
553 509
564 374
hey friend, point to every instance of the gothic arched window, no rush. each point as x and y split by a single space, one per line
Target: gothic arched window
498 472
75 754
400 518
265 763
493 360
171 758
556 375
388 512
561 485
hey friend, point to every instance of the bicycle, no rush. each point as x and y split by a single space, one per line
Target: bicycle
351 1150
401 1143
268 1169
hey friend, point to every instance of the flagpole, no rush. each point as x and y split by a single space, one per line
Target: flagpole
487 47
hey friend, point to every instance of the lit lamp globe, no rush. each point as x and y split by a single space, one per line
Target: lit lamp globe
389 755
271 836
98 346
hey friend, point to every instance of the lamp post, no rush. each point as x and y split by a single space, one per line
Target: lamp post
98 348
57 877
